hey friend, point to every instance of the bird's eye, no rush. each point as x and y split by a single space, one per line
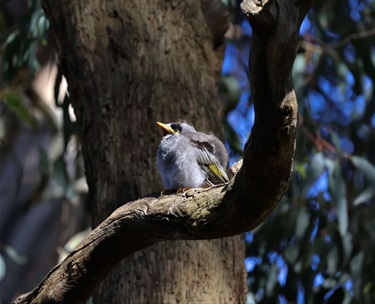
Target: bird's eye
176 127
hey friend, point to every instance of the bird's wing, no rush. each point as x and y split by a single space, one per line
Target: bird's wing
205 150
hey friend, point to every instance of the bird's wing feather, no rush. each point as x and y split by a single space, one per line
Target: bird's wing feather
205 150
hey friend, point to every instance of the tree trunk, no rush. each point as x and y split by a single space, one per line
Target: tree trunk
205 214
128 66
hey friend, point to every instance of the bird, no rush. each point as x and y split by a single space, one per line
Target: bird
187 158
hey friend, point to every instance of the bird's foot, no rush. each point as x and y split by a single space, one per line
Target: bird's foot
183 190
210 185
168 192
187 192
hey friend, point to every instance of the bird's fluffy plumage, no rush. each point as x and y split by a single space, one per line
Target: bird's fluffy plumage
188 159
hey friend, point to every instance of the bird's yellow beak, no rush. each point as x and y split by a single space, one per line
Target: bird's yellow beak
166 129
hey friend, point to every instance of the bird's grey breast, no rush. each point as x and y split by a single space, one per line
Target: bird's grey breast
167 151
166 159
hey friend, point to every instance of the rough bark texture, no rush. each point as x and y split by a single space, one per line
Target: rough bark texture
218 212
129 65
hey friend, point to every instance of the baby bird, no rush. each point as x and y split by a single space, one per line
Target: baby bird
190 159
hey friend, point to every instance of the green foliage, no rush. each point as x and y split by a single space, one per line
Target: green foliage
16 104
364 167
309 239
19 259
19 43
318 246
39 146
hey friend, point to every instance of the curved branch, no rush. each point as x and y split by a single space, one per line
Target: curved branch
202 214
195 214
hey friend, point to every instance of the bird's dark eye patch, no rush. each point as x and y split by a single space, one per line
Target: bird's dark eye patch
176 127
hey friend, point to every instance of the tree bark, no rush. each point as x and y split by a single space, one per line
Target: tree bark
104 107
129 66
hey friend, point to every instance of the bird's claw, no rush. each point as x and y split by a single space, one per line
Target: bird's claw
168 192
183 190
187 192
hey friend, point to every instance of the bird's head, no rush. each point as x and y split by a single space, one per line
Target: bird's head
175 128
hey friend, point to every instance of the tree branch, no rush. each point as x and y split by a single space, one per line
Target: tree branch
203 214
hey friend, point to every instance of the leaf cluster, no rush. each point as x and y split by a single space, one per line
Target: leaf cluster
318 245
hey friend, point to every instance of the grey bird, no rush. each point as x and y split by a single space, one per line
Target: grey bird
190 159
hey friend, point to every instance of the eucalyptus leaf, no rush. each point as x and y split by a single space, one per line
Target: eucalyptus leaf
329 283
90 300
368 172
347 246
301 169
336 141
315 169
364 196
303 220
291 253
364 166
332 261
356 266
357 262
271 280
338 190
299 70
297 267
11 37
19 259
230 90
